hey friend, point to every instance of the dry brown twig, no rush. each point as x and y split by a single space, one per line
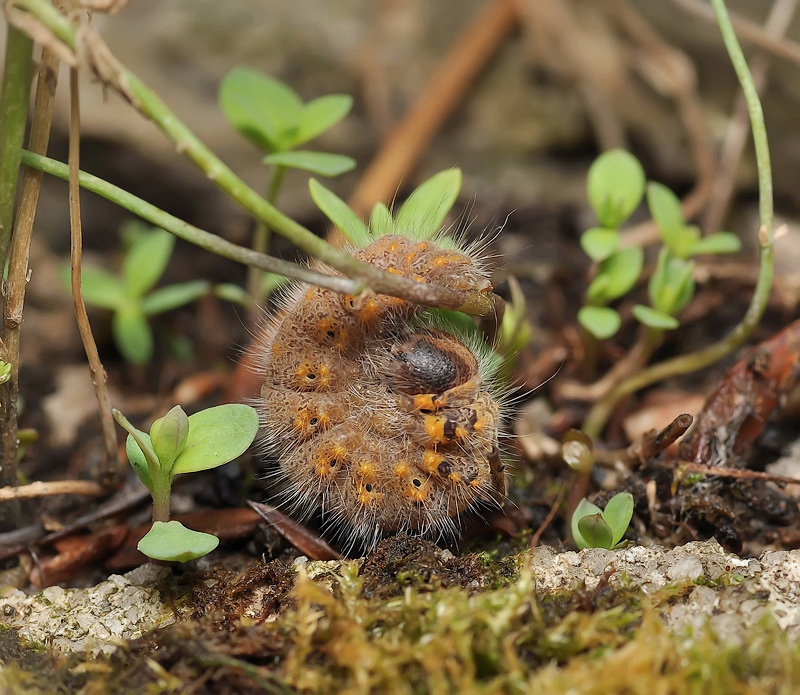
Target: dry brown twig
550 516
19 251
50 489
746 30
437 100
575 41
112 469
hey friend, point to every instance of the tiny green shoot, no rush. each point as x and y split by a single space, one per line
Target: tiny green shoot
272 116
593 527
179 444
130 294
420 217
616 186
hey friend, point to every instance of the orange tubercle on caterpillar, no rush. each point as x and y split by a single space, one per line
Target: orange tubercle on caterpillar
375 414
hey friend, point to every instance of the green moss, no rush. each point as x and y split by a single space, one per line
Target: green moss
412 620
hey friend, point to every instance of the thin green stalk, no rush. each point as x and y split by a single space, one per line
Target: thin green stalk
598 416
117 76
187 232
261 238
14 97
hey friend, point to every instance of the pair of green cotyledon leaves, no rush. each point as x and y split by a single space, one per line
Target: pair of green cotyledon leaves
616 185
178 444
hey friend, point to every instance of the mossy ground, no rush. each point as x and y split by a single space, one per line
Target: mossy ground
411 619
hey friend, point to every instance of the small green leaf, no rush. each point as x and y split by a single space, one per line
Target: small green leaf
584 508
320 115
687 240
671 286
132 335
515 329
596 292
618 514
168 435
655 319
601 321
615 187
453 322
100 288
138 460
595 531
217 435
173 296
722 242
421 216
380 221
599 243
5 372
270 282
665 207
146 261
235 294
261 108
322 163
339 212
619 273
171 541
140 451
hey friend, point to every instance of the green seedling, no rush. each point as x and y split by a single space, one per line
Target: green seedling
616 186
272 116
129 294
593 527
179 444
420 217
671 286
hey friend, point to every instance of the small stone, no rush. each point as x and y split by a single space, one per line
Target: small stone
685 569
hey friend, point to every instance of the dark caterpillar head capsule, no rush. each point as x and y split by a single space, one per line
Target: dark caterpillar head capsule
430 364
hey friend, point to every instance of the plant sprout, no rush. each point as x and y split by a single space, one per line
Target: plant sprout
593 527
179 444
130 295
272 116
616 186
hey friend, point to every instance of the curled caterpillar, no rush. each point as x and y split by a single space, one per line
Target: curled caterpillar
375 414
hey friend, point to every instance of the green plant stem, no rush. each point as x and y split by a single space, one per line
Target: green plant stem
600 413
161 493
261 240
14 97
187 232
117 76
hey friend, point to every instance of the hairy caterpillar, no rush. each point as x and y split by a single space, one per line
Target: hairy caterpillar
377 415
